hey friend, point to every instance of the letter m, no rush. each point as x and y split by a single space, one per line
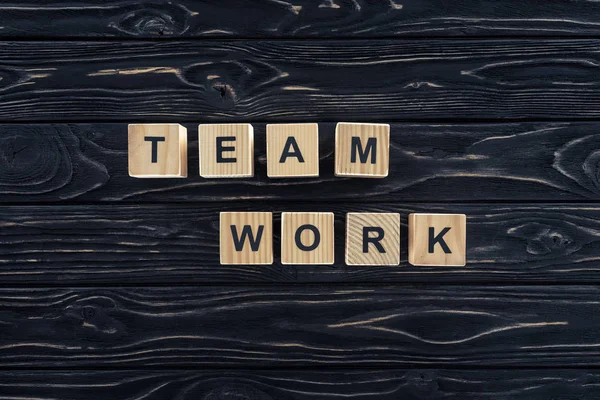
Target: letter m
246 233
363 154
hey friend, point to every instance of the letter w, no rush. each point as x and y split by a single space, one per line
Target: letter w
246 233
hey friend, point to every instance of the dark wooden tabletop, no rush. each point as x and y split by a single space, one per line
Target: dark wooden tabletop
111 287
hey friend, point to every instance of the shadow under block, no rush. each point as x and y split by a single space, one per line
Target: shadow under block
372 239
307 238
226 150
437 239
246 238
362 150
157 151
292 150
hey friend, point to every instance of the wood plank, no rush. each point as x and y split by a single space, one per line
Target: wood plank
429 162
307 81
300 326
174 244
521 384
300 18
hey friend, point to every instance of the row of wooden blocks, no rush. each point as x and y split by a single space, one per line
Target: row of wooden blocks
371 238
227 150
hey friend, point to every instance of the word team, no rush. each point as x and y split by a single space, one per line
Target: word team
227 150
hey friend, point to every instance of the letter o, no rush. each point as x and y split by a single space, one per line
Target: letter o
298 237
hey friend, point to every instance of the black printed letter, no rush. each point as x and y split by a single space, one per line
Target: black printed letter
154 140
221 149
246 232
298 237
374 240
438 239
291 142
363 155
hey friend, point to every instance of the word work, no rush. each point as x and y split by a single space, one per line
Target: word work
371 238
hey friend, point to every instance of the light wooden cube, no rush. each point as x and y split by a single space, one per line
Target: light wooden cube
246 238
157 151
437 239
372 239
307 238
362 150
292 150
226 150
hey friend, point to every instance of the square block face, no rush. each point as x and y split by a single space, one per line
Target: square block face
292 150
372 239
226 150
362 150
246 238
307 238
437 239
157 151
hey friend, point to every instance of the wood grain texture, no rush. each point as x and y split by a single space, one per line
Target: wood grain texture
157 151
236 149
300 81
372 239
232 233
298 18
307 238
292 150
437 239
429 162
174 244
373 144
300 326
414 384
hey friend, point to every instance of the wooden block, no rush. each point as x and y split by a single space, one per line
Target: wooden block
226 150
437 239
292 150
362 150
157 151
307 238
372 239
246 237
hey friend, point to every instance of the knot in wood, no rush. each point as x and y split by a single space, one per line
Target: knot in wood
154 20
236 391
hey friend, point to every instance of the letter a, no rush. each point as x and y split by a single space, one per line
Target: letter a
291 142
